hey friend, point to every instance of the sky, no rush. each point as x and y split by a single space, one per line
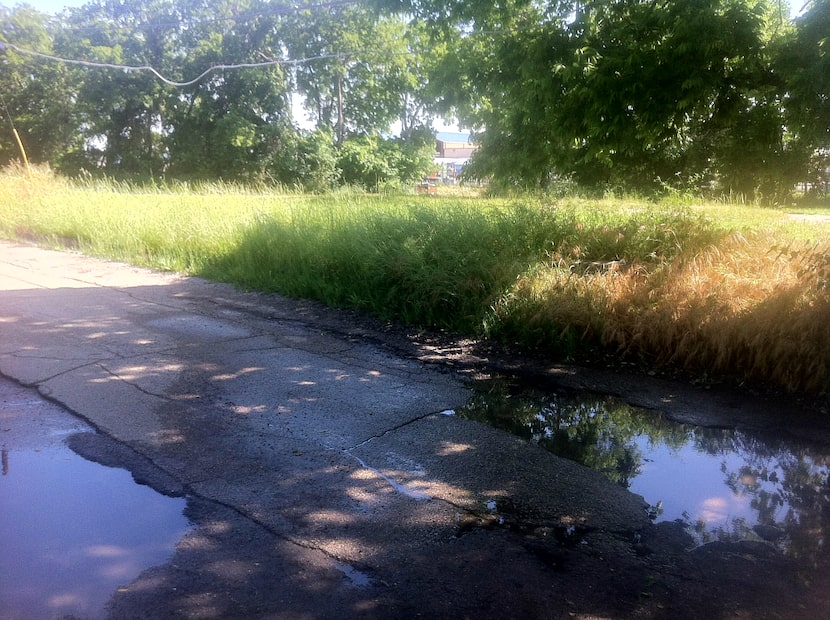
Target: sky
46 6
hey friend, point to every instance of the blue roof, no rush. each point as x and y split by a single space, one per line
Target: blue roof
448 136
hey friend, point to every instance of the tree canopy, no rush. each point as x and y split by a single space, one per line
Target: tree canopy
640 94
206 89
704 95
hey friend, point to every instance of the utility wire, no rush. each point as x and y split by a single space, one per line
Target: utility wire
231 66
242 17
154 71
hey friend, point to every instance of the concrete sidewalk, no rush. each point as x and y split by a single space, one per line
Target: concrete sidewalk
325 477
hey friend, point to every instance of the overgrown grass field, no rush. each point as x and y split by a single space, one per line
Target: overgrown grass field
719 291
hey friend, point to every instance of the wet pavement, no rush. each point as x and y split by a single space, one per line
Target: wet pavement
723 484
332 454
324 474
72 531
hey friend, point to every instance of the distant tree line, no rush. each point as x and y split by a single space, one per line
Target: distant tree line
730 96
726 96
356 72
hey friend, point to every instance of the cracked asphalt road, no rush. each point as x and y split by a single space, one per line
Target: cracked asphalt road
325 475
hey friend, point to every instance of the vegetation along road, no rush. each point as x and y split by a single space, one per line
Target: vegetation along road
325 477
307 440
718 292
647 217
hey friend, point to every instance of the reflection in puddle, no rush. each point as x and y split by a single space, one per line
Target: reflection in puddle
71 531
354 576
724 484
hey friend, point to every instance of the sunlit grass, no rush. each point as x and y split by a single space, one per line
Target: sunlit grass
713 289
739 307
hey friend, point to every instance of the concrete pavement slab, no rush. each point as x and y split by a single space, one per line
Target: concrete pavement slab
326 453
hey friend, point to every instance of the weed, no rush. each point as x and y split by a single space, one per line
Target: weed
722 289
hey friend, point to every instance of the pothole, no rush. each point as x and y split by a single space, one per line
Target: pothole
72 531
723 485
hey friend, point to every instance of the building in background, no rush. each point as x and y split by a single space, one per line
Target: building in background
452 152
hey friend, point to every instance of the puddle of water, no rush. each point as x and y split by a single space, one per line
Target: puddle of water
400 488
725 485
71 531
354 576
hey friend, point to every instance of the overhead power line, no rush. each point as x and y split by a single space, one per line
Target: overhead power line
168 81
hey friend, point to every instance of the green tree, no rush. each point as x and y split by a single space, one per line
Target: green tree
421 94
804 66
230 124
630 93
235 123
37 96
373 162
351 68
124 112
412 153
308 162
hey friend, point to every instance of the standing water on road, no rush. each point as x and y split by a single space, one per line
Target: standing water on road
725 485
71 531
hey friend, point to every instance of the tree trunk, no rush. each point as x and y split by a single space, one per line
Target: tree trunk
340 120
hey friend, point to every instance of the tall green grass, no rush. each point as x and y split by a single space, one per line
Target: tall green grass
716 289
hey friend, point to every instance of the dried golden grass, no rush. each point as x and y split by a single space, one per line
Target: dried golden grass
734 309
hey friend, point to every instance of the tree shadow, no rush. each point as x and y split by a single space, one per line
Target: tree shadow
320 476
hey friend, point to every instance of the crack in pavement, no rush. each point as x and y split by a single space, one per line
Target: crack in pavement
37 383
397 427
135 385
368 487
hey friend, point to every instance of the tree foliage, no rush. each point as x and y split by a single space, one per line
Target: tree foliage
357 81
804 62
350 65
36 98
373 162
636 93
704 95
